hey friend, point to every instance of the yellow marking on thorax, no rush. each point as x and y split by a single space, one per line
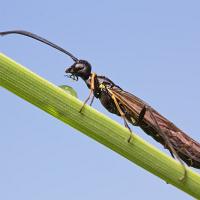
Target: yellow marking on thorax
102 86
133 120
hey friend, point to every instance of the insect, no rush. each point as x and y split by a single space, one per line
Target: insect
132 109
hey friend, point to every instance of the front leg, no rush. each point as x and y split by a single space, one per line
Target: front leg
92 87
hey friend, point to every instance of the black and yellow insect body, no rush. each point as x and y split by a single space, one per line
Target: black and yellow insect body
131 108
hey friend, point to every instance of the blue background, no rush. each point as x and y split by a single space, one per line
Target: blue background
150 48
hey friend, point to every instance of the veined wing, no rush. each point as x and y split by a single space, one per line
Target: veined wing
135 105
161 128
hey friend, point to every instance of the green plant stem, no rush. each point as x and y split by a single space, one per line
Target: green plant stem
65 107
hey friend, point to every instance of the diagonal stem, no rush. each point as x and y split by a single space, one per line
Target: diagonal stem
65 107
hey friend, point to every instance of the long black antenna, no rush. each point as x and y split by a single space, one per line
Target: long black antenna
36 37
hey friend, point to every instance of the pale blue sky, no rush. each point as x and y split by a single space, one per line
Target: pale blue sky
155 43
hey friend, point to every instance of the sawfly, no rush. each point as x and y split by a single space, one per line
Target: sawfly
132 109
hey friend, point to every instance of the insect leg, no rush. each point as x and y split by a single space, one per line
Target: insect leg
171 153
140 117
168 143
92 100
91 92
122 115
